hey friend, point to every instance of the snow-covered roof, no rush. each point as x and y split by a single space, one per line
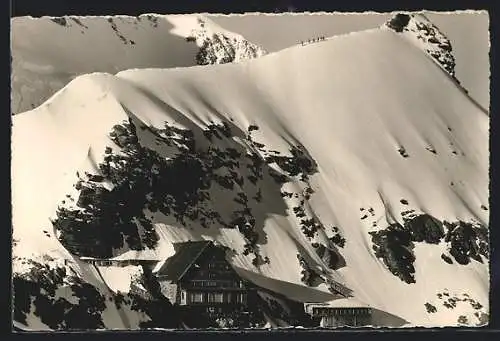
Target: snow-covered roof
186 254
127 256
144 255
298 293
349 302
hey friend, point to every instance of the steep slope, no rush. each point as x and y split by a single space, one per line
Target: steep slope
418 29
318 166
48 52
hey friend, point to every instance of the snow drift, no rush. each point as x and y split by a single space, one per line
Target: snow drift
353 166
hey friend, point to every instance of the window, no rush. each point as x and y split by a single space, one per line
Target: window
215 297
219 297
197 297
241 298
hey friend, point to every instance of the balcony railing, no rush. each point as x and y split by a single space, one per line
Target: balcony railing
216 284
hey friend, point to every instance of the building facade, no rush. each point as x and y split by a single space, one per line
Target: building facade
340 313
199 276
117 262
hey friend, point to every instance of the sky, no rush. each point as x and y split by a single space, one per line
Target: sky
467 31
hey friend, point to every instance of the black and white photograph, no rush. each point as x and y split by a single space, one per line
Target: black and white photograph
250 171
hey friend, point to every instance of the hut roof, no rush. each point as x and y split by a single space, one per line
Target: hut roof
349 302
186 254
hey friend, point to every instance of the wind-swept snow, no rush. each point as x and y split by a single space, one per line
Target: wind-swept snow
388 130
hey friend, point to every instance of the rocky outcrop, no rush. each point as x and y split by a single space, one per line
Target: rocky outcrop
427 36
222 47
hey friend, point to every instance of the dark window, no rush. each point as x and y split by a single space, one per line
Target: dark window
241 298
215 297
196 297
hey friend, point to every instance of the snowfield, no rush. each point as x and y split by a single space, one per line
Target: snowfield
388 129
48 53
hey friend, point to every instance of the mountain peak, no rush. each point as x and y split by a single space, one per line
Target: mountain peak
423 33
219 46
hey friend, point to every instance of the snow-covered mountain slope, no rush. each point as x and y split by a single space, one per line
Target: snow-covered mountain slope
48 52
318 166
419 30
423 33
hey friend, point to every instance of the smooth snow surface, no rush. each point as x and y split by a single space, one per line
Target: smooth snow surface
351 101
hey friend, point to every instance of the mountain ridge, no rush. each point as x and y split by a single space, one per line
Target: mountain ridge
123 42
351 187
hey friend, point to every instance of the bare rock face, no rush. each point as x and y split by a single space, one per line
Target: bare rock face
221 48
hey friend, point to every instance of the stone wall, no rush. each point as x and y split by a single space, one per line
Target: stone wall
170 291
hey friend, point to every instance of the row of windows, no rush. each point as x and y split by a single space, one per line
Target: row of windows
224 266
225 284
198 297
348 320
206 273
341 311
204 283
108 262
216 297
